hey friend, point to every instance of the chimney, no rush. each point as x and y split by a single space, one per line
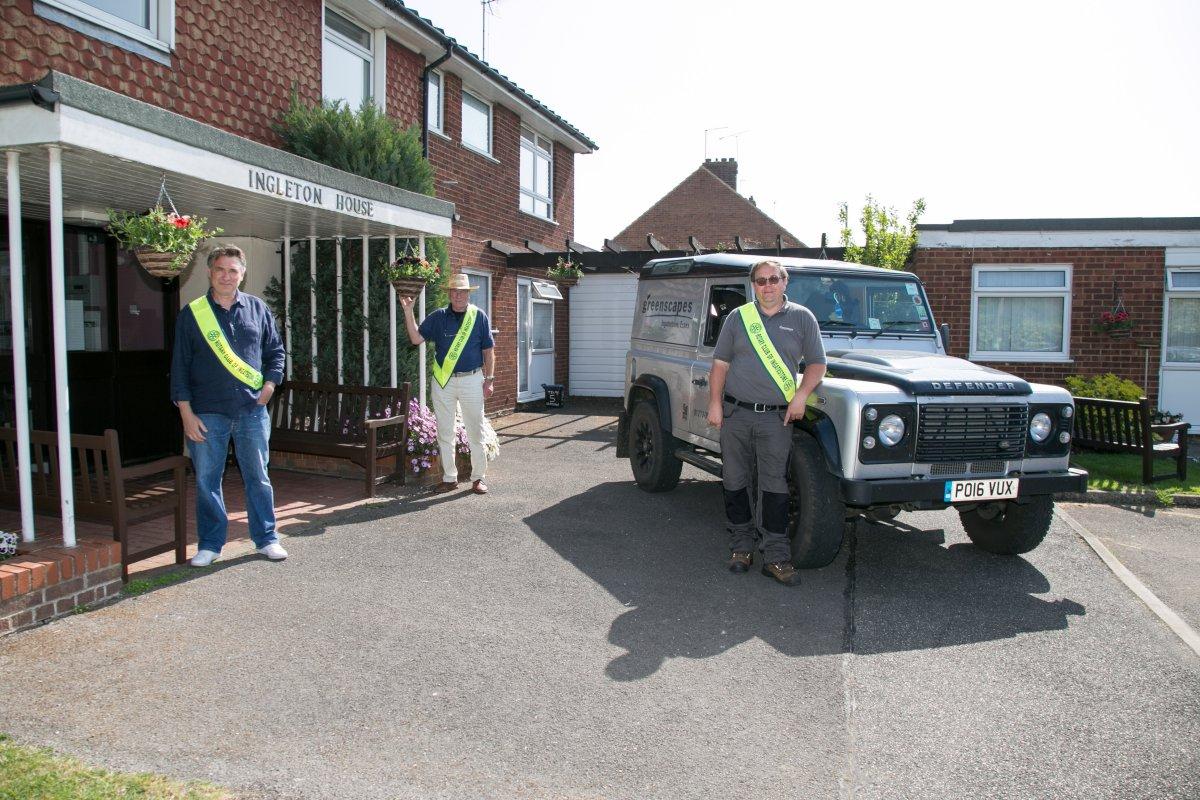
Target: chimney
723 168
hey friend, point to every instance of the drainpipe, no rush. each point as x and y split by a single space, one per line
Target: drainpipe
425 97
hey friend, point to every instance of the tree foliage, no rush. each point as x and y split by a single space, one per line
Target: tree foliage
888 242
368 143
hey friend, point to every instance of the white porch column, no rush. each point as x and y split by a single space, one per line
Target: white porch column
392 311
337 250
366 312
287 305
421 310
312 301
16 267
58 304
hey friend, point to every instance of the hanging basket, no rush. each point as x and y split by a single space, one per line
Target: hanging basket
408 287
568 282
160 265
1120 333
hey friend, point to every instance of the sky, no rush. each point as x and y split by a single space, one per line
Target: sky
985 110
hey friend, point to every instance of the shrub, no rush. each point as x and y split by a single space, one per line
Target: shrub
1105 387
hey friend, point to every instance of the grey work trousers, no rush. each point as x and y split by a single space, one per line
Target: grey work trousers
761 439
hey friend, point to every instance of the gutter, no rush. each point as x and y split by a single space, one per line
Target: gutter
29 93
425 96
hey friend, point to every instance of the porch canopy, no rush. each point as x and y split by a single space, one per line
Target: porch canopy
74 149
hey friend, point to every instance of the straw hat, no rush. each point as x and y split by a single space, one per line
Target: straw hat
459 280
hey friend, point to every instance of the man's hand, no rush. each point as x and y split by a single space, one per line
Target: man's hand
264 396
193 426
795 409
716 413
489 386
406 303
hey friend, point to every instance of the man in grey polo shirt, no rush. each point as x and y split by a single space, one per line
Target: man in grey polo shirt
750 404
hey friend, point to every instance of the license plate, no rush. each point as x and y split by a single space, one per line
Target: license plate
976 491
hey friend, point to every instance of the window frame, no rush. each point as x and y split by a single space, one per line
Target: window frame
354 48
441 102
1173 271
490 123
1063 355
1176 293
487 276
160 34
533 302
535 149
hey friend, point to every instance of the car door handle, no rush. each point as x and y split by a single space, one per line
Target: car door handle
700 381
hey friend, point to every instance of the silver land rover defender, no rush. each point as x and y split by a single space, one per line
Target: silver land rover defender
896 423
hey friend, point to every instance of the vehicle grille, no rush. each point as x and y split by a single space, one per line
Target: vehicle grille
971 433
968 468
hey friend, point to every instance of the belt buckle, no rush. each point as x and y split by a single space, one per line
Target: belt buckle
760 408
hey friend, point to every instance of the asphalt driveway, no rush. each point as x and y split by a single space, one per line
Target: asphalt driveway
569 636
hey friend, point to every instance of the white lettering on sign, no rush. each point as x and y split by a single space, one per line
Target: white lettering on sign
310 194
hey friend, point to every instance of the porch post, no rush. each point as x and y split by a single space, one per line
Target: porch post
337 249
287 304
366 314
58 305
16 262
421 350
312 301
392 311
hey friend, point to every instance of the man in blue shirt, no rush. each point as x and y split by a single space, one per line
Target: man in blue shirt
226 344
471 380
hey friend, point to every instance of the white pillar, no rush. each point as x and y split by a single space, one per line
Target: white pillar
58 305
312 300
366 312
392 312
287 305
16 267
337 250
421 311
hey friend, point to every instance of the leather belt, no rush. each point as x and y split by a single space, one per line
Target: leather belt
464 374
758 408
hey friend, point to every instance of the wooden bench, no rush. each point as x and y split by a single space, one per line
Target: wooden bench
105 490
365 424
1122 426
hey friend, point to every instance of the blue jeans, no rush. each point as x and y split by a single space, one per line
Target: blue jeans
251 433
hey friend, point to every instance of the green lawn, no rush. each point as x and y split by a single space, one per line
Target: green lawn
36 772
1122 472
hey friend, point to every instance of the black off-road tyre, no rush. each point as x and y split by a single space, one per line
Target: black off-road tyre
819 521
1009 529
651 451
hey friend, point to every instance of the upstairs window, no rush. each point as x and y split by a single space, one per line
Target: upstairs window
476 123
147 21
537 160
433 95
346 61
1021 312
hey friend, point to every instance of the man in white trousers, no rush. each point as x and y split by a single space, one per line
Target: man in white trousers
464 375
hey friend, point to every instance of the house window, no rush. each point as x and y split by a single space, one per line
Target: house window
346 62
147 21
542 328
1183 317
537 160
481 290
1021 313
433 94
476 123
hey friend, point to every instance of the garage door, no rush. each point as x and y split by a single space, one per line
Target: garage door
601 318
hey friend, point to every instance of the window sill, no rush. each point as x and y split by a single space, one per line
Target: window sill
539 219
1020 358
440 134
480 153
142 44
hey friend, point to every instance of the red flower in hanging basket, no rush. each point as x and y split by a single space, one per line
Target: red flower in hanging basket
1114 321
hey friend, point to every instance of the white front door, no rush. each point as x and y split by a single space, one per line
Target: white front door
1179 386
535 342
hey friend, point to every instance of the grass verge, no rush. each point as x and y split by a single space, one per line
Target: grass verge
37 772
143 585
1122 472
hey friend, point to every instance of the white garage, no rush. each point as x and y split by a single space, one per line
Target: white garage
601 318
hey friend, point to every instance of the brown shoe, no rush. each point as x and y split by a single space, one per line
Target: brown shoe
782 571
479 487
740 562
445 486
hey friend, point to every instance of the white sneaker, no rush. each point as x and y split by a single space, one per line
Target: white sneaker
273 551
204 557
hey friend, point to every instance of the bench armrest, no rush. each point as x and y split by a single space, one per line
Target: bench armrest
1180 427
385 422
161 465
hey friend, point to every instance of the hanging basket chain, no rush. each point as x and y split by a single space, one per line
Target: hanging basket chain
1118 303
164 195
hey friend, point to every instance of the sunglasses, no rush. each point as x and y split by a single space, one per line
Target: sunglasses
774 279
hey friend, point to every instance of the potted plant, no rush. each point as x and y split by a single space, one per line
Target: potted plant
162 240
1116 324
409 274
565 272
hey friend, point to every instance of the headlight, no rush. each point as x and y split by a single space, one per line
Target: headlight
1039 427
891 430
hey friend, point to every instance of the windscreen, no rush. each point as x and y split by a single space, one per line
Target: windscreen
879 304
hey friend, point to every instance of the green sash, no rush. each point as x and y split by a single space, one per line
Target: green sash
443 371
206 320
784 378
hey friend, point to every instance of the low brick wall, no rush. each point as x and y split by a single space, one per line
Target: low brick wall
45 580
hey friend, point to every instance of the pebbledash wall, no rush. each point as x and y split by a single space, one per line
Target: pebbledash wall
234 66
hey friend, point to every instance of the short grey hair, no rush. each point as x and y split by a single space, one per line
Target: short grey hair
783 276
227 251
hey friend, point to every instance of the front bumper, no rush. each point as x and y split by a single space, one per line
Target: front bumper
929 492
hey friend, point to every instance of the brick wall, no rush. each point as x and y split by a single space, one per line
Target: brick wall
234 65
44 582
1138 273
